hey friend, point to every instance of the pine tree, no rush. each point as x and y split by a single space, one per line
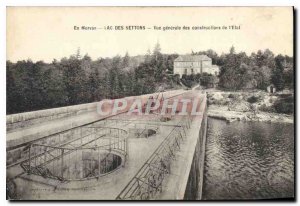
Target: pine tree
78 55
93 86
277 76
148 57
156 51
74 79
118 88
232 50
126 60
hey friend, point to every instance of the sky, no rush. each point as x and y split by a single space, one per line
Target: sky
47 33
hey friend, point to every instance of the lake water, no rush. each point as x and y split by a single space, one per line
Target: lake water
248 160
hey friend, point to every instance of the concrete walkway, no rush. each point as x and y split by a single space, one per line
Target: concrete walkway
34 132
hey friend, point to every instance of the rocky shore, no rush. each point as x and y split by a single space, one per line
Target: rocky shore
235 106
230 116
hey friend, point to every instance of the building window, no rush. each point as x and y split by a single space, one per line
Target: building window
185 71
192 71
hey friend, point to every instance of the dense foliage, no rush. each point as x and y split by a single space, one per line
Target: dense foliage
285 104
252 99
257 71
75 80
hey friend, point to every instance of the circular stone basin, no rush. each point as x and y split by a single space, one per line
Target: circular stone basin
84 164
93 167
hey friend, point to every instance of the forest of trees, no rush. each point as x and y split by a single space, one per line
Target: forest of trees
76 80
32 86
257 71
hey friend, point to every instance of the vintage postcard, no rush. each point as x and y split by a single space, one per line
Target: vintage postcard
150 103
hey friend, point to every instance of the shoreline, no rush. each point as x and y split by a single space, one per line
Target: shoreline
222 113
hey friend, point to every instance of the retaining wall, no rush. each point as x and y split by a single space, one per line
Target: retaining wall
195 182
25 119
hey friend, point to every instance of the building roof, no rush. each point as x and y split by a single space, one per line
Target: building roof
191 58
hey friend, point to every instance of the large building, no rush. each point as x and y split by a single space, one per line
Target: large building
194 64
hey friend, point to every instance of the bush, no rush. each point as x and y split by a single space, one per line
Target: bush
189 80
284 105
231 96
252 99
264 108
188 83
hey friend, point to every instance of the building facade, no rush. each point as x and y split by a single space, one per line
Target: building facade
194 64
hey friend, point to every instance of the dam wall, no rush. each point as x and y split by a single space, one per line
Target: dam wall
195 181
186 177
25 119
167 165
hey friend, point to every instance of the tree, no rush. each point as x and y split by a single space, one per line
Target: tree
74 79
53 89
118 87
107 85
231 72
11 95
158 63
86 64
126 60
156 51
263 77
94 88
78 55
232 50
170 63
277 75
288 76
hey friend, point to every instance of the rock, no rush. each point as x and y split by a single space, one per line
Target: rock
233 106
240 106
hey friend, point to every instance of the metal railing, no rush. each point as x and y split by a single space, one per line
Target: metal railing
148 180
65 161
